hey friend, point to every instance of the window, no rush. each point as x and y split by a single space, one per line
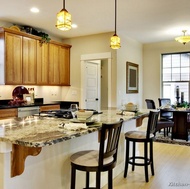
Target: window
176 72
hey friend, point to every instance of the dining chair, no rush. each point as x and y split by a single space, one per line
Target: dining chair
163 102
150 104
100 160
145 137
164 124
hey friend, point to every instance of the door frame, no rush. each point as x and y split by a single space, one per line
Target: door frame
91 57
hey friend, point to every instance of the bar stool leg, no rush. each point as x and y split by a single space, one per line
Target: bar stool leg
145 161
110 182
134 150
151 157
87 179
98 180
73 177
126 159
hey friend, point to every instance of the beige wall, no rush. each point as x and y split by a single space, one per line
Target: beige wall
93 44
130 50
152 66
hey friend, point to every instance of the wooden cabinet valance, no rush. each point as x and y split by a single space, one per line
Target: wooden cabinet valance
23 60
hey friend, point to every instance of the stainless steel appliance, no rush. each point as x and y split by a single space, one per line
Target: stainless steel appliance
28 111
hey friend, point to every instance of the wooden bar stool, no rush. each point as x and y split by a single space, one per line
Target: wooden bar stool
100 160
143 137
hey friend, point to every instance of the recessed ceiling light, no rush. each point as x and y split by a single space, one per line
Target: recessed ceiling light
74 26
34 10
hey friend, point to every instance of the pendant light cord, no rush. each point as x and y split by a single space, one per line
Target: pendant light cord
63 4
115 16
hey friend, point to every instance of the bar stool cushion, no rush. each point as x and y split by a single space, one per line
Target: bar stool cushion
137 134
88 158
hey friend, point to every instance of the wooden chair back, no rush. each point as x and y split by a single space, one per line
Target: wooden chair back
109 140
152 123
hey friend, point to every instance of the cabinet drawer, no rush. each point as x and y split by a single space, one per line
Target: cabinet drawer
5 113
50 107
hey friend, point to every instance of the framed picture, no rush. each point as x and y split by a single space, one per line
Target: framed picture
132 77
28 98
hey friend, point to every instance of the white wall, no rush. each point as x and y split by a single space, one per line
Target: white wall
130 51
152 66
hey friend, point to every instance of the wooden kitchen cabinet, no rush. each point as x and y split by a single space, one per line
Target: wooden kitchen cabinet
24 61
10 112
49 107
64 60
29 61
13 58
59 65
53 64
42 64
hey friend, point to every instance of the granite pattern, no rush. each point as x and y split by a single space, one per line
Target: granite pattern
36 131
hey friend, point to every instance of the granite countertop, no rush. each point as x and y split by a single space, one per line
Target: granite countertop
26 105
36 131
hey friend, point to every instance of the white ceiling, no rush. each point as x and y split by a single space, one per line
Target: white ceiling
144 20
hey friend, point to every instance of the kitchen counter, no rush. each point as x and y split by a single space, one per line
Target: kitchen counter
26 105
52 145
35 131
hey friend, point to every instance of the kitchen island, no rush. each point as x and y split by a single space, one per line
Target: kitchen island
47 146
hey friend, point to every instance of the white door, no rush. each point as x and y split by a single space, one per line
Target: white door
92 85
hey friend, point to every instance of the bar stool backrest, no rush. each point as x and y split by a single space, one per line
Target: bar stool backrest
152 123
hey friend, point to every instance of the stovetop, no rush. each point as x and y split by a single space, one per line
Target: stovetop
62 113
57 113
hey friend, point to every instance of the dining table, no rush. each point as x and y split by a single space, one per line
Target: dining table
181 119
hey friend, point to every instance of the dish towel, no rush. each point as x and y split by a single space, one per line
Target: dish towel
75 126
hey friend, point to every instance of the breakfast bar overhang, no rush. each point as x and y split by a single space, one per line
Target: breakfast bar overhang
45 163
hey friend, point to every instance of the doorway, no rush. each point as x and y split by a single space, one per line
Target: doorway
104 86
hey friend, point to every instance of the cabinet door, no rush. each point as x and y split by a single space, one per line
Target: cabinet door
29 61
64 62
54 64
49 107
13 45
42 64
5 113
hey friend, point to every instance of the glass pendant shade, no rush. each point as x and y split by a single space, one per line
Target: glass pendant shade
63 20
115 42
183 39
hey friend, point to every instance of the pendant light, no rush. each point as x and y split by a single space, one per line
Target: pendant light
63 19
115 40
184 38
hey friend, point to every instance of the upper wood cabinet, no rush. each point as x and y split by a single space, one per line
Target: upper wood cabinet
13 58
54 64
29 61
42 64
23 60
64 62
59 65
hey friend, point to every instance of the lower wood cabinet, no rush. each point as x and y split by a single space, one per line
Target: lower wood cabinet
49 107
10 112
